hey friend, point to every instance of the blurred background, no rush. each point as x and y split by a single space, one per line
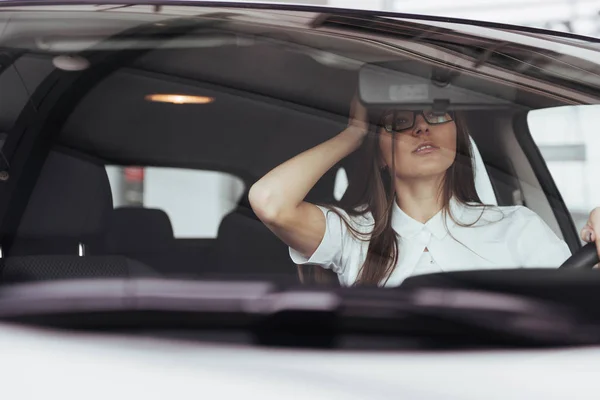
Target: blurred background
196 201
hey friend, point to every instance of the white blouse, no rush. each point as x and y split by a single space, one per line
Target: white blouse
427 265
498 237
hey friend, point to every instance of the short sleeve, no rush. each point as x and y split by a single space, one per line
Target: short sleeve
537 245
329 253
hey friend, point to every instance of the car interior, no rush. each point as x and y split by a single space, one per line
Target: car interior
276 94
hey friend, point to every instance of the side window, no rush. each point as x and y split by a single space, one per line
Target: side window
567 138
195 201
341 184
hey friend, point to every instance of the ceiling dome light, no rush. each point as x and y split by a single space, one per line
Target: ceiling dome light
70 63
179 99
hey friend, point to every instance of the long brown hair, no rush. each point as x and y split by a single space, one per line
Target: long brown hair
372 191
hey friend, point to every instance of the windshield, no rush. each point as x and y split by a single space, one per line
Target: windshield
209 144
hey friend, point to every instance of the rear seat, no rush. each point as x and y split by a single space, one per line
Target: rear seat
143 234
247 248
61 231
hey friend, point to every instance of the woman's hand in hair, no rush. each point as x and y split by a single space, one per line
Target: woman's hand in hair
278 197
358 121
591 230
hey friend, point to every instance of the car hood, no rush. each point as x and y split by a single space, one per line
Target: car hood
38 363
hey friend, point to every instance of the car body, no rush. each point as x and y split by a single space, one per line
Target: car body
119 113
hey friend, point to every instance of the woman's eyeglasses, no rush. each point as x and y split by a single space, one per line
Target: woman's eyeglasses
401 120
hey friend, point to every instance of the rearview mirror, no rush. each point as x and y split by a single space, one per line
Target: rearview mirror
411 84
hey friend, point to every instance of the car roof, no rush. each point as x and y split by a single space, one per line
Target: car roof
282 78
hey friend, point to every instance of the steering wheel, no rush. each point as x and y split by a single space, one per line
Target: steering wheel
586 257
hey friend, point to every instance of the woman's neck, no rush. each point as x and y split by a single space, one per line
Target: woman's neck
420 199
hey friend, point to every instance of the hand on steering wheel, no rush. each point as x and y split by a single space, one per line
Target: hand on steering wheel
589 255
591 230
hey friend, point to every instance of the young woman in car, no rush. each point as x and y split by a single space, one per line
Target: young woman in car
418 213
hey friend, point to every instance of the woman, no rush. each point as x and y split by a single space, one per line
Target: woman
418 213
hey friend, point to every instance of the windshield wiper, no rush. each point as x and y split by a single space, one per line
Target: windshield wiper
300 316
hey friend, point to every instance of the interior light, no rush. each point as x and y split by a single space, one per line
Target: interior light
70 63
179 99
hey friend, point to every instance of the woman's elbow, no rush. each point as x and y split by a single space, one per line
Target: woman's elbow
265 205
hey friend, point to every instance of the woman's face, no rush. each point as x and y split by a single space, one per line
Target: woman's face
422 151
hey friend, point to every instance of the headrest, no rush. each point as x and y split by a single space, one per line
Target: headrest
138 230
483 184
71 198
